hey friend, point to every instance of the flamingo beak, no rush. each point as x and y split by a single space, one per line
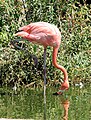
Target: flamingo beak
60 92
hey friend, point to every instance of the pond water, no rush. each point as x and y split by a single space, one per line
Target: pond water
74 104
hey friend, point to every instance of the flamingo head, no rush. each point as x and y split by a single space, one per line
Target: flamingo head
64 86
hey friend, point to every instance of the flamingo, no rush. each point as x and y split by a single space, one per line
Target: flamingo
46 34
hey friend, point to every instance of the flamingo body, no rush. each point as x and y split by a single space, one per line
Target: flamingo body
41 33
45 34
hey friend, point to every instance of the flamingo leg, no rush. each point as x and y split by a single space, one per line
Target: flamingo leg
44 75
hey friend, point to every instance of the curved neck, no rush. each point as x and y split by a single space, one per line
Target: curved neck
54 60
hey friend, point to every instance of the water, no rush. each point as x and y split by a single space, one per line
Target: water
75 104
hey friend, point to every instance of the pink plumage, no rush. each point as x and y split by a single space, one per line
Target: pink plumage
41 33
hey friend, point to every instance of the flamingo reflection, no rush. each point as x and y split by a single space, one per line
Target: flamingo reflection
65 104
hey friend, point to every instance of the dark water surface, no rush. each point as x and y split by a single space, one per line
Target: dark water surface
75 104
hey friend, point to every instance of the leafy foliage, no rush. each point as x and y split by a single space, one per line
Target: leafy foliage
73 20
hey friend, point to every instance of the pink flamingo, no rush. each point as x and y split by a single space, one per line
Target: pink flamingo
46 34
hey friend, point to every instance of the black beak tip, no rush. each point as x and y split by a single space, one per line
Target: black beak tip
55 93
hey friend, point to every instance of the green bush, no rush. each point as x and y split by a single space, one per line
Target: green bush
75 50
